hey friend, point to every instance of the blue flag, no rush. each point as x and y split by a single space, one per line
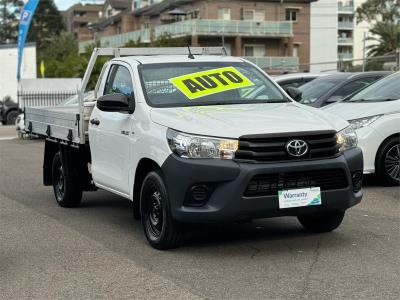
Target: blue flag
24 23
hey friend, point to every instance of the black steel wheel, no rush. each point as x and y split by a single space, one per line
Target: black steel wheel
324 222
66 185
161 231
388 162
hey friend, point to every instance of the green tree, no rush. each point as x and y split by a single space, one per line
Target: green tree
47 22
379 11
9 14
385 37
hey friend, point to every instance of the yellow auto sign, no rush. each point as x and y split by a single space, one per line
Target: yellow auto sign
200 84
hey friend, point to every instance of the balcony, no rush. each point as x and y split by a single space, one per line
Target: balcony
275 62
227 28
118 40
346 25
346 8
345 55
345 40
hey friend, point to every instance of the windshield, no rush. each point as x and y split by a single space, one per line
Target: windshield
313 90
206 83
385 89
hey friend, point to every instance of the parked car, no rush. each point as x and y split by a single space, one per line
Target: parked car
183 138
332 88
9 112
375 115
297 79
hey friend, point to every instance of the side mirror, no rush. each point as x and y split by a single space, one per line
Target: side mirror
116 103
294 93
334 99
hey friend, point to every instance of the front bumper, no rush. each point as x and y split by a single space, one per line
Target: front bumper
230 180
369 140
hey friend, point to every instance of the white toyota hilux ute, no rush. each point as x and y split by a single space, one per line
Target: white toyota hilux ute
202 139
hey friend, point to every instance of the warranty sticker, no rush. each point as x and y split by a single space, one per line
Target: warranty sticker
200 84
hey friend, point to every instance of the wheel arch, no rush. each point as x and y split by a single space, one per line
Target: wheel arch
394 135
144 166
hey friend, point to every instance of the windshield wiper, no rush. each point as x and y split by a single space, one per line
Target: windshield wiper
372 100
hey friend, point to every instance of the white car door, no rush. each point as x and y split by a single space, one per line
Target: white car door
110 132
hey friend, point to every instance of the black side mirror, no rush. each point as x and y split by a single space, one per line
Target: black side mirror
294 93
334 99
116 103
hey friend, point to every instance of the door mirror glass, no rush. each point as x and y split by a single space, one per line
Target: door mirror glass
116 103
294 93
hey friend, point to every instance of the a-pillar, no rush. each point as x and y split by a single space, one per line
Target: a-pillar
238 46
195 41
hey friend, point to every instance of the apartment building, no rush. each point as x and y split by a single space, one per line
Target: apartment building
346 27
274 34
79 17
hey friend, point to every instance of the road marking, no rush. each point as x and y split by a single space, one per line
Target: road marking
8 138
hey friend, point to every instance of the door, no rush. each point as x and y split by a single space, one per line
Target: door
110 143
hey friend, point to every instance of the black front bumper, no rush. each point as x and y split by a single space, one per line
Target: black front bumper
229 180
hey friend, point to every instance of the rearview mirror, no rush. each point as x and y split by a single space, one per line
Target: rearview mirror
116 103
294 93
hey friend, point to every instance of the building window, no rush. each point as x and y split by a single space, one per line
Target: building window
194 14
224 13
253 15
254 50
291 15
296 50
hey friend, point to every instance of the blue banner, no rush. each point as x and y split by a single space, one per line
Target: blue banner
24 23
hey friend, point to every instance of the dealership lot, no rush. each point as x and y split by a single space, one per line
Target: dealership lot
98 250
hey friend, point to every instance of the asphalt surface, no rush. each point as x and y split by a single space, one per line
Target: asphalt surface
99 251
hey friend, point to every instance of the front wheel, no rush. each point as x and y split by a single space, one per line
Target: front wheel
12 117
161 231
324 222
66 185
388 162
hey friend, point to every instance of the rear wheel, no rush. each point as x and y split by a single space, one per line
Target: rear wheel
12 117
388 162
324 222
66 185
161 231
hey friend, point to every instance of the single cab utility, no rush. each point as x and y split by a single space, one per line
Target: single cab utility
193 138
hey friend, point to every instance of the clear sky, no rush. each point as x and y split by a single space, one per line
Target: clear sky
64 4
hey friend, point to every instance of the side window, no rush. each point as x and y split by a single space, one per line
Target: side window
119 80
353 86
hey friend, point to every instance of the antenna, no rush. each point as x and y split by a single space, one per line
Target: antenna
191 56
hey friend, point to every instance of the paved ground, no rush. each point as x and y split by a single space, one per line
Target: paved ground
98 251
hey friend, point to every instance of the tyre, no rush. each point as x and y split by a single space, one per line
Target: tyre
11 117
66 185
388 162
161 231
324 222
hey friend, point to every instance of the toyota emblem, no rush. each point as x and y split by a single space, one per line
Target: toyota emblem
297 148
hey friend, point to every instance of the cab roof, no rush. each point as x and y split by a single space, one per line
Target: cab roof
157 59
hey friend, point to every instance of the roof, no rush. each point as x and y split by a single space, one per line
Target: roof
178 59
119 4
298 75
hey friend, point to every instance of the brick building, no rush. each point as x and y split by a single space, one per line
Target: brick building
79 17
272 33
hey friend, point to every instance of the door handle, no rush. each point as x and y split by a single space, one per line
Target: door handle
95 122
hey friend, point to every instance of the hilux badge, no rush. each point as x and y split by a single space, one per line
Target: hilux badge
297 148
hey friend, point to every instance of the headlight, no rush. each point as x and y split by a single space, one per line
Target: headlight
347 138
362 122
193 146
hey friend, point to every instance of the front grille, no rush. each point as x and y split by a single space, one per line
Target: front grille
265 148
270 184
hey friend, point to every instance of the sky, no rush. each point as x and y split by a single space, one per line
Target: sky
64 4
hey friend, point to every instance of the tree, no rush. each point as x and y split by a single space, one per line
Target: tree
9 12
385 37
47 22
379 11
